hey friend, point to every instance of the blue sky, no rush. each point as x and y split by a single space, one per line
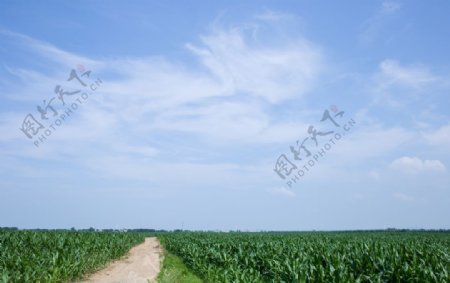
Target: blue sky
198 100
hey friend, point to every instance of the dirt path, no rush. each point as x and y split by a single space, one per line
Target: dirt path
141 265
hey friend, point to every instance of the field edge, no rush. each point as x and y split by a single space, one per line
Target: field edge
173 270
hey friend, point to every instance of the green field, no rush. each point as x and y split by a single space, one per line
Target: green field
63 256
314 257
59 256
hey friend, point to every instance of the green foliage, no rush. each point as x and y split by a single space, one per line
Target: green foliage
314 257
59 256
174 271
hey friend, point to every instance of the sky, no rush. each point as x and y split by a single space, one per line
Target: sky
225 115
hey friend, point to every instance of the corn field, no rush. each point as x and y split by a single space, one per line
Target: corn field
59 256
315 257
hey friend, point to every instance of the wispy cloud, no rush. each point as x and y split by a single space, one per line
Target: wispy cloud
440 136
199 114
47 50
273 73
225 100
413 165
396 85
393 73
271 16
374 24
282 192
154 117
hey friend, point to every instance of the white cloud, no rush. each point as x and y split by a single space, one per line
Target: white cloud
49 51
395 84
441 136
271 16
373 26
414 165
273 73
363 142
282 191
177 173
393 73
224 100
226 120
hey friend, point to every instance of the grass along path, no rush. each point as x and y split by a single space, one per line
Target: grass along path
174 271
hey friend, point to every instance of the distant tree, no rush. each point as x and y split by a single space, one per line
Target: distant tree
9 228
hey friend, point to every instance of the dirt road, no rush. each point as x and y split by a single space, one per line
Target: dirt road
140 265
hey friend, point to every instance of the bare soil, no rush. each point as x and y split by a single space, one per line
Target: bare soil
141 265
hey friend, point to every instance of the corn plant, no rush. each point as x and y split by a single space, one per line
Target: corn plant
59 256
314 257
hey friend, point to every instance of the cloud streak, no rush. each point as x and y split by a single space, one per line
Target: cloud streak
413 165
